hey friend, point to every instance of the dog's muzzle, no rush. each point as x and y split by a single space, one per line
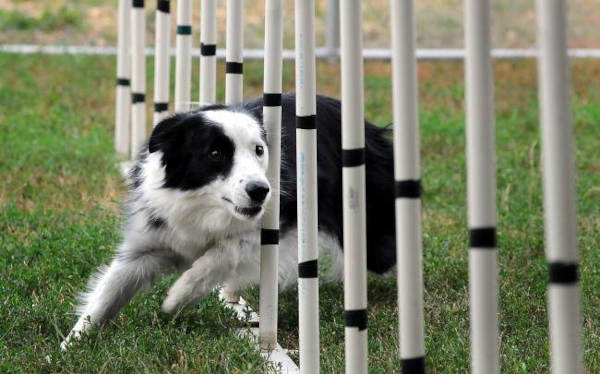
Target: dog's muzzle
257 191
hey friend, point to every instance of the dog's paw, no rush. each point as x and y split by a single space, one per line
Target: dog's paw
64 345
73 335
171 305
178 297
184 293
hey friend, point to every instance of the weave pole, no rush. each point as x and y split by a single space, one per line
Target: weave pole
234 60
183 59
208 52
353 191
234 76
138 77
481 189
306 173
123 94
161 62
332 33
409 251
559 190
269 235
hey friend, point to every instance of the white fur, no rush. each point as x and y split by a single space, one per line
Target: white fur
204 235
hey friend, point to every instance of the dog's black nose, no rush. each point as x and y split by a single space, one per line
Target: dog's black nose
257 191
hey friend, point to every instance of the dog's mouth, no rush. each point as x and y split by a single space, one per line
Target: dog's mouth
249 212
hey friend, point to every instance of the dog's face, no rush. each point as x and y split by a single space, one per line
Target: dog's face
218 156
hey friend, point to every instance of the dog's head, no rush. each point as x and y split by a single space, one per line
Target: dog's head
216 155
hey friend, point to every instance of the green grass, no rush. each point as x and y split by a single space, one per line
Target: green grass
59 220
49 20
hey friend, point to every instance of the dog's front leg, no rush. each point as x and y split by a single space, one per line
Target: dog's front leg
115 285
206 273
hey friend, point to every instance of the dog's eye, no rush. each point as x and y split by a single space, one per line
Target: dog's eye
260 150
215 155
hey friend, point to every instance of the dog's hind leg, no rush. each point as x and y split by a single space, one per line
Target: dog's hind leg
381 253
115 285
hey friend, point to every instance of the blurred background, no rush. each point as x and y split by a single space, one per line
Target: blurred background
439 22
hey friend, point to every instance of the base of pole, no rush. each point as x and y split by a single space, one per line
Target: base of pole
241 308
274 353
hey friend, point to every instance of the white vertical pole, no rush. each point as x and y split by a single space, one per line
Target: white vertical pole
269 258
234 61
208 52
183 58
409 252
306 173
559 189
138 77
353 191
481 189
332 38
161 62
234 72
123 94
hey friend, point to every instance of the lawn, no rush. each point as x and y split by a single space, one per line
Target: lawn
59 219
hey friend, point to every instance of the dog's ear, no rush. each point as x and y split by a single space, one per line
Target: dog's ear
166 130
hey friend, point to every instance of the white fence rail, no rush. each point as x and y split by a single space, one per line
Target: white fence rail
288 54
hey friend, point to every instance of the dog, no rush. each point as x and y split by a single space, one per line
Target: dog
198 190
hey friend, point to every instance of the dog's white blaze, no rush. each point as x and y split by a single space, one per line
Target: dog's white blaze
246 134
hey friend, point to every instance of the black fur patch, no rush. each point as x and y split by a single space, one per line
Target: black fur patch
188 143
156 222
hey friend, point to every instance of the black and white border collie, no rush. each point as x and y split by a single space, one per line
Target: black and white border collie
199 189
